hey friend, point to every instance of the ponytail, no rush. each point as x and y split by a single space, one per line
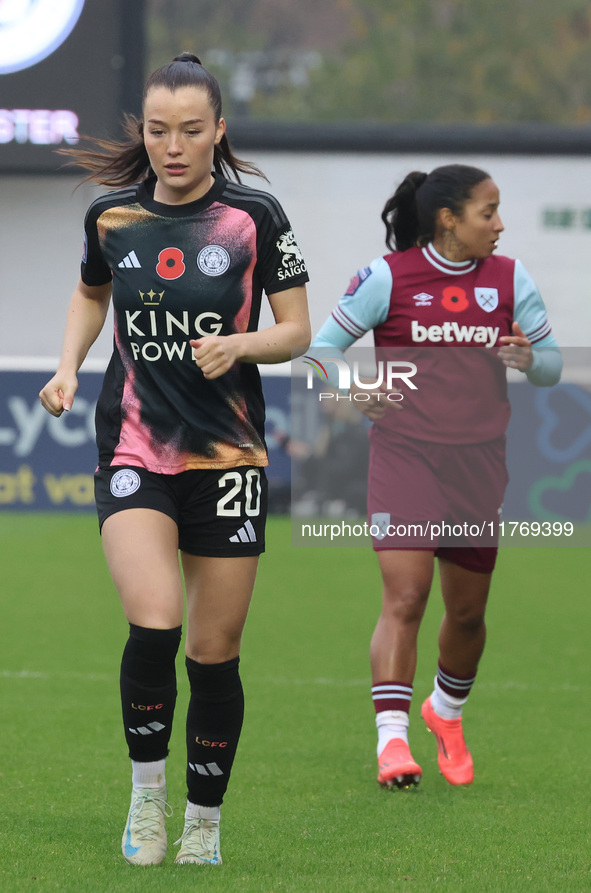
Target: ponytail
115 163
226 163
400 214
411 214
118 163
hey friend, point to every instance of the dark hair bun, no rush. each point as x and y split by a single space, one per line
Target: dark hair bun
187 57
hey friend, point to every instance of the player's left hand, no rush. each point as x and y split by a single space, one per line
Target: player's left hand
215 354
516 352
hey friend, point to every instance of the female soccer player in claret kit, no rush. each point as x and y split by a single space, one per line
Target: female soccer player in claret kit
460 315
185 254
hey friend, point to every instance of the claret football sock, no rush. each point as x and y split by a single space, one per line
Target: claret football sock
391 701
391 696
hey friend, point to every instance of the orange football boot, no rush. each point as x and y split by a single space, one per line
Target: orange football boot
453 757
396 767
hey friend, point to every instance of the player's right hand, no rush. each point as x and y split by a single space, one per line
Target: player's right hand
58 394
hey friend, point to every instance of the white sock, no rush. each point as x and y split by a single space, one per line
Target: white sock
148 775
444 705
391 724
194 811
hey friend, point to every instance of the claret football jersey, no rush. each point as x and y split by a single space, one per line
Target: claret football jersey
446 319
181 272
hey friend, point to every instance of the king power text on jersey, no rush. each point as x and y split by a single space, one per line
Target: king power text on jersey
206 323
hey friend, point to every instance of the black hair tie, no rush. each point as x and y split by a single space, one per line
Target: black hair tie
187 57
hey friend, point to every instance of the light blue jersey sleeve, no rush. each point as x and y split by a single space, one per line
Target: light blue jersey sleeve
364 306
530 313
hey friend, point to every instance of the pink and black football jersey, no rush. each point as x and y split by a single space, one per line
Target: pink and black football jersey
182 272
445 318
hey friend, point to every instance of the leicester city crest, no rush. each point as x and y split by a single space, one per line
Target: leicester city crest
213 260
125 482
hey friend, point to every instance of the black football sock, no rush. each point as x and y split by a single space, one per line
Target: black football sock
148 690
214 722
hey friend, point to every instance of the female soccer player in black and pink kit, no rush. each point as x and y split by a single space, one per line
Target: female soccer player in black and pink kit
444 302
185 255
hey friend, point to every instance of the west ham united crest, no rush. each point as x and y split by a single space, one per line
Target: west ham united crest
487 298
379 525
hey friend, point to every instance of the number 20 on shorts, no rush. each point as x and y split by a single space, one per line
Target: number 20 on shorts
230 504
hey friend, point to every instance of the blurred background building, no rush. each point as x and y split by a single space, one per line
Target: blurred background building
336 100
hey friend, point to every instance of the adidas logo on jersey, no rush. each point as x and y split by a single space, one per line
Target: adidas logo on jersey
130 261
246 534
453 331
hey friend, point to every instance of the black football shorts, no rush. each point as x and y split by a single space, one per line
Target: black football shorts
217 512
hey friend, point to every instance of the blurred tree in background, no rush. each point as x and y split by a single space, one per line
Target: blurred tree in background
446 61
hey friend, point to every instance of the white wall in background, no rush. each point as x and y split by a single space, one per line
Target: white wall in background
334 203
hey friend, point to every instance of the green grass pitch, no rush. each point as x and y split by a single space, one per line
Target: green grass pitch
304 811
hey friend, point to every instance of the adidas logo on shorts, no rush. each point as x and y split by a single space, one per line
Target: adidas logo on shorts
246 534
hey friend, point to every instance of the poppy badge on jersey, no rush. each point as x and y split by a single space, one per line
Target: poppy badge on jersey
487 298
454 299
125 482
213 260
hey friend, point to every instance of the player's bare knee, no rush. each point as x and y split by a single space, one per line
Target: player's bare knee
469 619
405 604
213 652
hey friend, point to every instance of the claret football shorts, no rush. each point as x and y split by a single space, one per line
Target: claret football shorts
437 496
217 512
